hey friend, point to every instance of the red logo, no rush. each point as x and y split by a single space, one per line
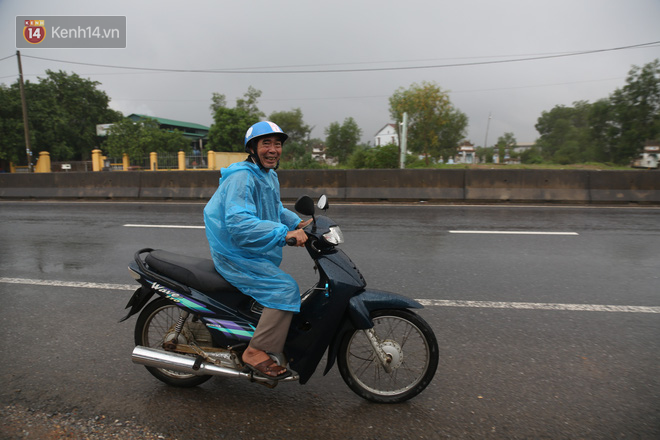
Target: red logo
34 31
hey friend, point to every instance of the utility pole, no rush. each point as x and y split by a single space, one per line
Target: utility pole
487 127
404 141
26 129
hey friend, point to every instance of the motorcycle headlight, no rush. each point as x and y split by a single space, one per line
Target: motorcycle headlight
334 236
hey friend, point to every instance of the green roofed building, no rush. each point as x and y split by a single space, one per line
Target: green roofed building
197 133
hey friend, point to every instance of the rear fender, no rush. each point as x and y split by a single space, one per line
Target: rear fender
140 272
358 315
139 299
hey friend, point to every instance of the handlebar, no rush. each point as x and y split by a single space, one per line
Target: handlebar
291 241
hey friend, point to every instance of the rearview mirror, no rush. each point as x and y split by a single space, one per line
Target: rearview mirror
323 202
305 205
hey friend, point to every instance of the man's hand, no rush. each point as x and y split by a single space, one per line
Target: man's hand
304 224
299 235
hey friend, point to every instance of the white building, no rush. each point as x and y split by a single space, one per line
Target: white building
466 153
386 135
521 148
650 158
319 155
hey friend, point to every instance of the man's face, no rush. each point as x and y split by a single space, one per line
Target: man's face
269 150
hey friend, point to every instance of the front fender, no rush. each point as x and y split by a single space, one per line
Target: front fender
358 315
360 306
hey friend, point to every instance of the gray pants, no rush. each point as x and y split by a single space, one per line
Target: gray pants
272 330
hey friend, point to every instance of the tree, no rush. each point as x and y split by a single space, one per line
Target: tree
63 111
452 132
485 153
302 159
635 112
77 108
138 139
341 139
531 156
12 141
227 133
249 103
217 101
610 130
602 130
505 145
434 125
292 123
297 150
385 156
566 133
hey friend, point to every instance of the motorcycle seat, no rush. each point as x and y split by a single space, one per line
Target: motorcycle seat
198 273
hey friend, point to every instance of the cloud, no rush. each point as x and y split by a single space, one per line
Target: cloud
300 35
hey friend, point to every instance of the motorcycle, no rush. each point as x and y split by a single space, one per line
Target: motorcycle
199 325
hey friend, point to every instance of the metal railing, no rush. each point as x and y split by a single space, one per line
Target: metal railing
164 162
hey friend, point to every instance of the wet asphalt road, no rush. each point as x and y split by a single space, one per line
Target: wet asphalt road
504 372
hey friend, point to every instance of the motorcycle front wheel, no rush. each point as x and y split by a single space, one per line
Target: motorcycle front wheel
154 325
411 349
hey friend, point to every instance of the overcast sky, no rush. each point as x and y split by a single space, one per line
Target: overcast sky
369 41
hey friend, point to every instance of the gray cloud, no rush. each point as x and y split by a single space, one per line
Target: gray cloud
352 35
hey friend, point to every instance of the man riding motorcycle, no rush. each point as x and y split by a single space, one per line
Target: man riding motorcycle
247 227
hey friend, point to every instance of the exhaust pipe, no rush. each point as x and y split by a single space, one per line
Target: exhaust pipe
151 357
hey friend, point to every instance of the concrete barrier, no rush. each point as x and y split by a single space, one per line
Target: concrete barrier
440 186
178 184
624 186
294 183
405 185
70 185
527 185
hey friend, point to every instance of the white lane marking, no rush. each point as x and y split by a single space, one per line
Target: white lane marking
451 232
78 284
425 302
514 232
538 306
165 226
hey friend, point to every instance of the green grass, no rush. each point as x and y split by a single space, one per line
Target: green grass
491 166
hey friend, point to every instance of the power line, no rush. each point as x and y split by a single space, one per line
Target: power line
341 98
346 97
536 85
261 70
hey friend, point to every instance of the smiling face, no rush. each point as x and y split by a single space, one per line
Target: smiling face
269 150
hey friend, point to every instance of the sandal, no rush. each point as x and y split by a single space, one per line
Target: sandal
269 369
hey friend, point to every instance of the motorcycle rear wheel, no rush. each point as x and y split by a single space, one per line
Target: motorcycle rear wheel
156 321
409 343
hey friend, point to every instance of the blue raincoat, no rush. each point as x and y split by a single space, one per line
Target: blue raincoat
246 226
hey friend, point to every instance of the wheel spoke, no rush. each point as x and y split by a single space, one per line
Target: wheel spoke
405 345
161 323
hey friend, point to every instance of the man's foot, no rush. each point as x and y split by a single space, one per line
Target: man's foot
262 364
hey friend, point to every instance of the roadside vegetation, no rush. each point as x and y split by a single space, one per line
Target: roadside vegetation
541 166
64 110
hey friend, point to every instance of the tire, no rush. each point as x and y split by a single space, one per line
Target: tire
155 322
412 347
